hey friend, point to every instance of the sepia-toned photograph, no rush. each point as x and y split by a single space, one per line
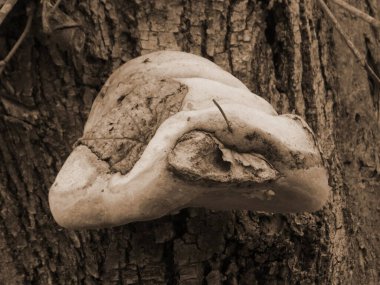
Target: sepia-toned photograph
189 142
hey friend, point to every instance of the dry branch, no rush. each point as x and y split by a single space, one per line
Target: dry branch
29 11
358 13
56 5
349 43
6 8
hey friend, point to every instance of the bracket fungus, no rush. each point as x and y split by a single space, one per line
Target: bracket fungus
171 130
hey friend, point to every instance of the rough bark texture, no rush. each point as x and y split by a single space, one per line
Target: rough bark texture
285 51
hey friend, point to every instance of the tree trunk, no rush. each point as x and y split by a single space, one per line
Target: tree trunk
285 51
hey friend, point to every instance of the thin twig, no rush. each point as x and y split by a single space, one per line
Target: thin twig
349 43
358 13
224 115
29 11
6 8
56 4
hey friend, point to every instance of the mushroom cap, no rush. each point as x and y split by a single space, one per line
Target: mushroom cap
155 142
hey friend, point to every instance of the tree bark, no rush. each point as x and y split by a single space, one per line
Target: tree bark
285 51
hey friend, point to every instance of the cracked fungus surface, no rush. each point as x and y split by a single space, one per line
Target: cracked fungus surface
121 125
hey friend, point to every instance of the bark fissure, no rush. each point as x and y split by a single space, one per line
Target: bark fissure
229 30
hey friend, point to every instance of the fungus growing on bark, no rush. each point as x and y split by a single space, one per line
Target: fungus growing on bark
155 142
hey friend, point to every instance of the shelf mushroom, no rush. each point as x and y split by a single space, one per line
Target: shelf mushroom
171 130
